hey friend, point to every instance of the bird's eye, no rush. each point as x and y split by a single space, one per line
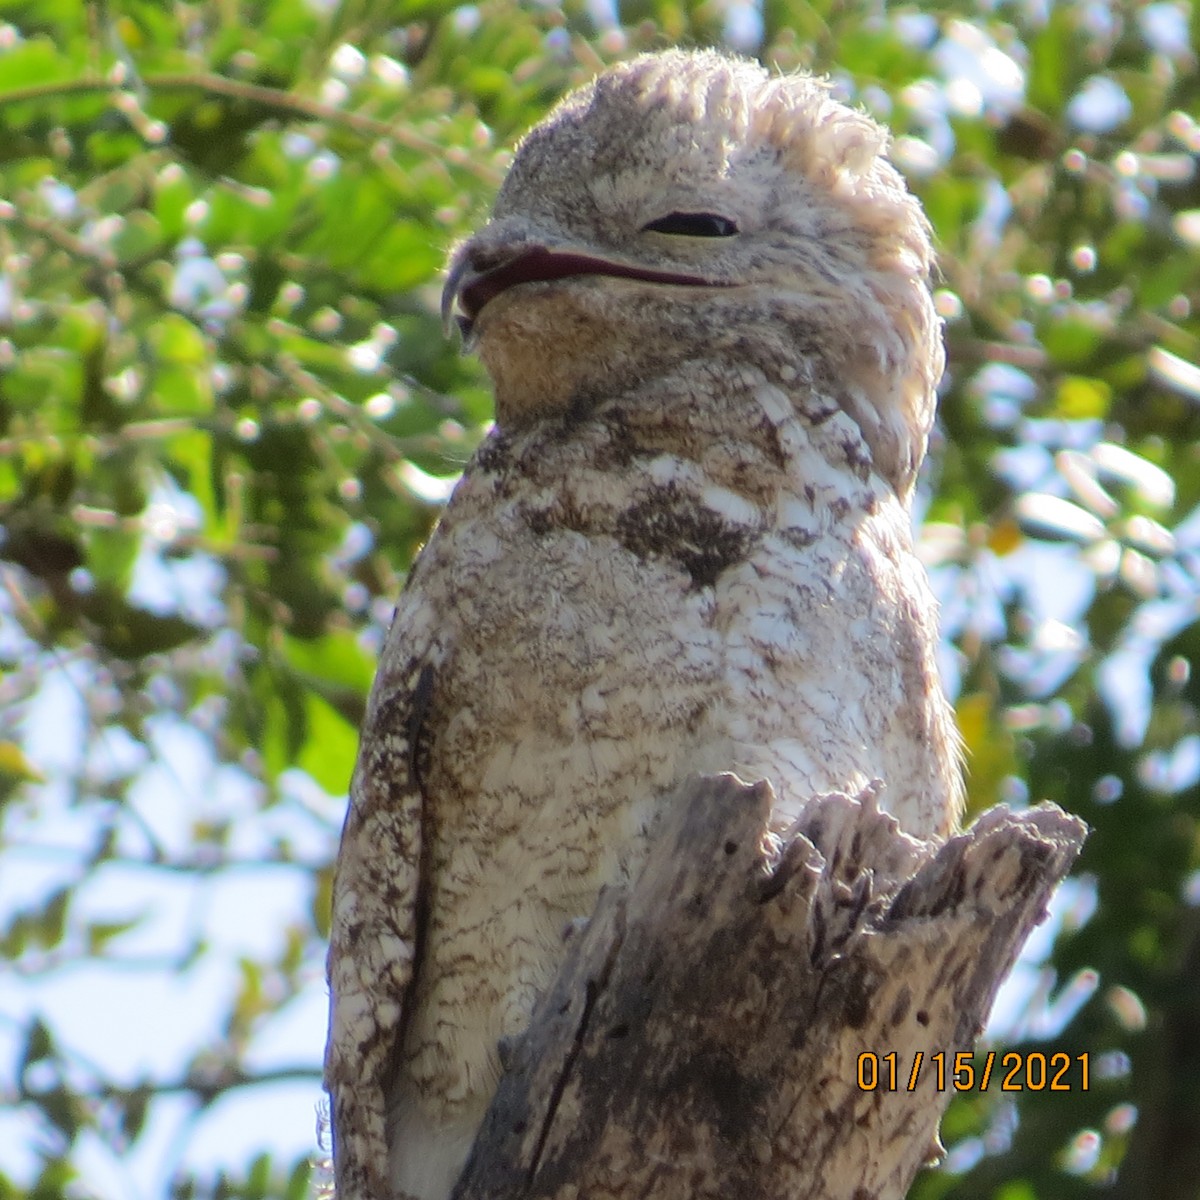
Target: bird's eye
693 225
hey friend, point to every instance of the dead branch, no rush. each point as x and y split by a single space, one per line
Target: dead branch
703 1038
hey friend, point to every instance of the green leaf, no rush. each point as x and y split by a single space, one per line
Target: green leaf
15 767
330 745
32 62
1052 55
1071 343
1078 398
101 933
335 658
39 1044
132 633
188 457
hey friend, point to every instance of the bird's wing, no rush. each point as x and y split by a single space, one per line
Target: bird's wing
377 928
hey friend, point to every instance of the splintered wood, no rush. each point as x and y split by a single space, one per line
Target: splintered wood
703 1038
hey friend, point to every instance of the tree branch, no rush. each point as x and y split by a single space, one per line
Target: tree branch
285 103
703 1037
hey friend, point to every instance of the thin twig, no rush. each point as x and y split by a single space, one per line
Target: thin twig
255 93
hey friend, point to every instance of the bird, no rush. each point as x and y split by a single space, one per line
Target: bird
703 297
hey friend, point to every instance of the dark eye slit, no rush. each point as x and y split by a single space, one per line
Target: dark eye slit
693 225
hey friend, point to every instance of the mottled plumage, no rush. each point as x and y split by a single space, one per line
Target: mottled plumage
703 301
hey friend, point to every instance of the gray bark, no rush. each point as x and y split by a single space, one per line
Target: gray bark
703 1036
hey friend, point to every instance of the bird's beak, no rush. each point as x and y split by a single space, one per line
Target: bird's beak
471 289
459 276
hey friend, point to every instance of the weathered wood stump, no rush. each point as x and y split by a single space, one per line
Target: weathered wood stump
703 1036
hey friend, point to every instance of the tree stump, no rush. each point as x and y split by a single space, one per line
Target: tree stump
703 1037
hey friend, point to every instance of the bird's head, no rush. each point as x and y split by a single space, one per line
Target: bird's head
688 206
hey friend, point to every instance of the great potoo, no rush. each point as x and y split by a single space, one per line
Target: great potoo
703 299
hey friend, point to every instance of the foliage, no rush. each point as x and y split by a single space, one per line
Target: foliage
228 415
